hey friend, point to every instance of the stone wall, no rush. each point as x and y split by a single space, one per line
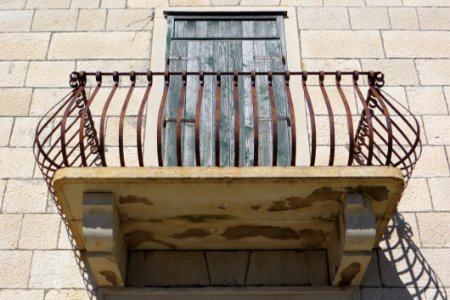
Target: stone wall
42 41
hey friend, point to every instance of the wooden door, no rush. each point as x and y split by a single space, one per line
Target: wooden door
226 44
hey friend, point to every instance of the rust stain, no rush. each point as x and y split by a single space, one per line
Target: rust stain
203 218
110 277
319 195
255 207
308 237
192 232
349 273
377 193
311 238
135 238
131 199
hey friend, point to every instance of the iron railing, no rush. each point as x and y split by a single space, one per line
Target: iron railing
103 124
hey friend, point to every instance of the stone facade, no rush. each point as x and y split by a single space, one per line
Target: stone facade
42 41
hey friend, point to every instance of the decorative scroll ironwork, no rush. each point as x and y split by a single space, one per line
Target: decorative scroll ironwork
79 130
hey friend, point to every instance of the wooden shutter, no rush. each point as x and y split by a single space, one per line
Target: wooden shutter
226 44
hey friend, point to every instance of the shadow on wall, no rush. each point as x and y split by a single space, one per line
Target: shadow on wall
403 272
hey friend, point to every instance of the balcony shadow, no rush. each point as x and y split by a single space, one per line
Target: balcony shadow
405 273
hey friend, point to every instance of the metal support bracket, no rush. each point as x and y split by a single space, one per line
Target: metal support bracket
356 234
105 247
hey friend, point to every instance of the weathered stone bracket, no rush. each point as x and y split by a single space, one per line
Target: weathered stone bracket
357 235
105 249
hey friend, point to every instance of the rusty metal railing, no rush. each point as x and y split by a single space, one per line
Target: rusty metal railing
101 121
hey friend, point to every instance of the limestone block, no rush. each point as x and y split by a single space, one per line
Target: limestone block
12 4
224 2
55 269
440 191
426 100
16 101
67 294
434 229
416 196
44 99
112 65
396 71
21 294
129 19
433 162
313 18
12 74
24 131
15 20
48 4
403 18
113 3
15 266
91 20
5 130
39 231
123 45
433 71
147 3
24 196
343 3
369 18
412 44
17 46
435 18
341 44
302 2
55 20
85 4
427 3
49 73
9 236
438 260
384 3
437 129
259 2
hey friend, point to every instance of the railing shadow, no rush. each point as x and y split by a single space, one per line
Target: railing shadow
403 266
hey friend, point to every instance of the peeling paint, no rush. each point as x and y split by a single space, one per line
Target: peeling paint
191 232
135 238
377 193
204 218
319 195
110 276
255 207
131 199
349 273
308 237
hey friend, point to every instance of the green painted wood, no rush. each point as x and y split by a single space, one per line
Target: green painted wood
284 138
237 44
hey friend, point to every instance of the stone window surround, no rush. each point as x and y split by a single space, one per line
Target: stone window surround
157 63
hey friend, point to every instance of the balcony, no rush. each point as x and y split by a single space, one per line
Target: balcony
158 160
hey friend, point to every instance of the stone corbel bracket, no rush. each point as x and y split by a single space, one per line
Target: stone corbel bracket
356 238
103 239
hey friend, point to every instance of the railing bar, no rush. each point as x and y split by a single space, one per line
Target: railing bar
160 117
348 113
217 118
373 90
330 118
236 119
274 120
384 140
103 119
367 114
83 121
197 118
122 117
179 117
139 119
255 120
206 73
292 118
63 125
312 118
